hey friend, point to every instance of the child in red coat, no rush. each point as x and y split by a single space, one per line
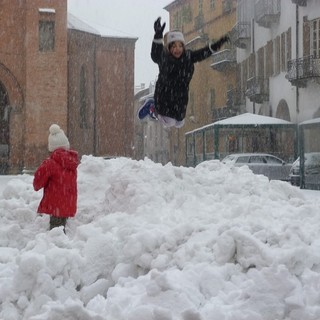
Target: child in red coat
57 175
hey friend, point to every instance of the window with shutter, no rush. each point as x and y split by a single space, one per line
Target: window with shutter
277 56
269 59
315 38
306 37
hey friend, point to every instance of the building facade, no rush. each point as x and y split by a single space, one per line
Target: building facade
100 92
278 58
151 138
139 135
52 72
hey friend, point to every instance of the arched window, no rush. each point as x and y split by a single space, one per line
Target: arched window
283 111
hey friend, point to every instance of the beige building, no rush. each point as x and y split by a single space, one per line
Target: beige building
215 78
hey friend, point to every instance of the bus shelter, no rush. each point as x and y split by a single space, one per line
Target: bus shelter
309 133
240 134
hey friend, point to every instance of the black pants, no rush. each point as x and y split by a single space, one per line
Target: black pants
57 222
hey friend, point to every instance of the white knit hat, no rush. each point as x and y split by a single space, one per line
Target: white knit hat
57 138
175 36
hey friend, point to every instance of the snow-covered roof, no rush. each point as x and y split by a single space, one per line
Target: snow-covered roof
248 119
316 120
47 10
77 24
251 119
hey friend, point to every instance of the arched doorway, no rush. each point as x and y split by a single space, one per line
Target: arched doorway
4 129
283 111
12 124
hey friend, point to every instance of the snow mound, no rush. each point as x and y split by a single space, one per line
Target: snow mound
162 243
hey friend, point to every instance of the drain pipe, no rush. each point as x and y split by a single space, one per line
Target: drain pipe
253 51
95 74
297 57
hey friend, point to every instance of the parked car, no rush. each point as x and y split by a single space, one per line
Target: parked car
261 163
311 169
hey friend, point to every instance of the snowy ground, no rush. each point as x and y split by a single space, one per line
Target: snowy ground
153 242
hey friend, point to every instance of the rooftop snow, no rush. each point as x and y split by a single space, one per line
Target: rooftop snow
251 119
77 24
316 120
47 10
245 119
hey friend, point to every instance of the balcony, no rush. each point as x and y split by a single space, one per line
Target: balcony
301 70
241 34
258 89
224 60
267 12
302 3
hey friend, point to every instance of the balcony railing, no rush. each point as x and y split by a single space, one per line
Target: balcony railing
267 12
224 59
223 113
301 70
301 3
258 89
241 34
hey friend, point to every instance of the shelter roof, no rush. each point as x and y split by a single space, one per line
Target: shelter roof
251 119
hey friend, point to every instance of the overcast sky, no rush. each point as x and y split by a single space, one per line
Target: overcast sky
126 18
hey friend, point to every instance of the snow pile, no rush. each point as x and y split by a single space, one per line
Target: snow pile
153 242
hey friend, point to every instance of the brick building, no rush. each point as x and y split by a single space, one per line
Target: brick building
53 71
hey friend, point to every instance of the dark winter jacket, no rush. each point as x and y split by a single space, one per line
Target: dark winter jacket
172 87
57 175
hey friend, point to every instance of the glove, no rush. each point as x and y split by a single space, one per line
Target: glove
217 45
158 29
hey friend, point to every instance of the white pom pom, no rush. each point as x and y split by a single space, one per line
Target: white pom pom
54 129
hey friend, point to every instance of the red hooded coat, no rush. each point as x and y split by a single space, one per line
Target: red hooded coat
57 175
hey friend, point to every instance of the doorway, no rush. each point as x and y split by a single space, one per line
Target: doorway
4 130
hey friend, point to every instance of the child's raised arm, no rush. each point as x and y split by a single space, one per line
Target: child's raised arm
157 44
206 52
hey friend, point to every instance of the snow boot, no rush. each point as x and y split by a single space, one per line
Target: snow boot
147 109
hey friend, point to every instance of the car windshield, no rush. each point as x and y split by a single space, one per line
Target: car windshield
257 159
273 160
312 159
243 159
228 158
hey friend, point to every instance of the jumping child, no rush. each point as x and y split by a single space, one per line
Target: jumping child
176 67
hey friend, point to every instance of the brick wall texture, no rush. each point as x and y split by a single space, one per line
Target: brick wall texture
85 84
